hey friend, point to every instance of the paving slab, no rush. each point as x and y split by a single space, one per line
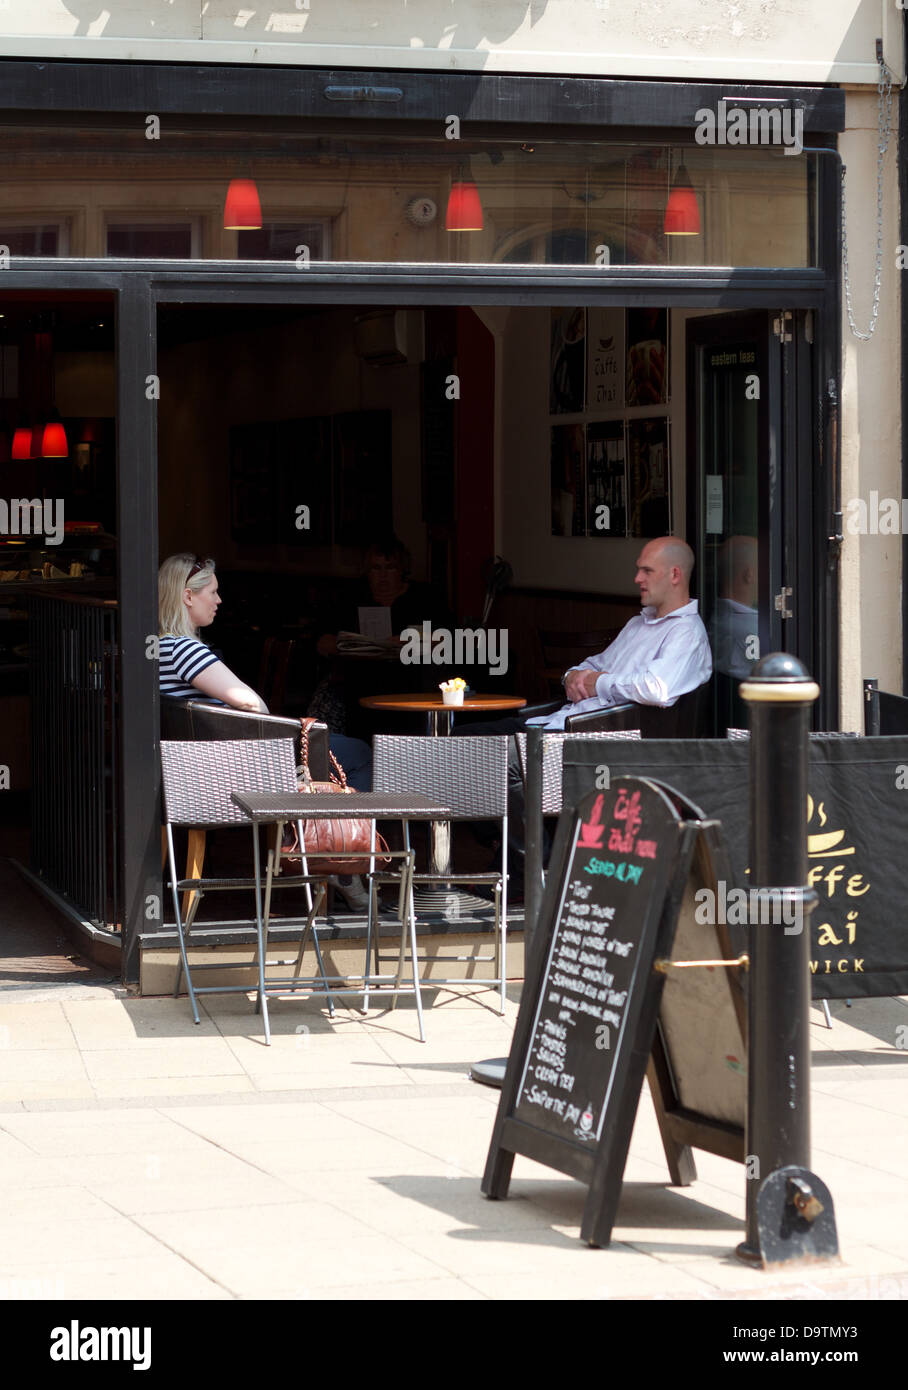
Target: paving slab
144 1157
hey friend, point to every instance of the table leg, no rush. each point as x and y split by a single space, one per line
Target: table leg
439 847
439 723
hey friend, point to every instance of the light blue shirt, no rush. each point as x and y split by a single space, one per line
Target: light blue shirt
652 661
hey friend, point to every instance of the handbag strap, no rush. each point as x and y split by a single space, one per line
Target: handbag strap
340 778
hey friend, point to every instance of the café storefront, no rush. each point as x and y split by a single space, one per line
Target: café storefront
539 316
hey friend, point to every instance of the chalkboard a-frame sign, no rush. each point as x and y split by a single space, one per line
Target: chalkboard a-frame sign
624 867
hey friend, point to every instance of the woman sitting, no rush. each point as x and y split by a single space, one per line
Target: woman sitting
188 601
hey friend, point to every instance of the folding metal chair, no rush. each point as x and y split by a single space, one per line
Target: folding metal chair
198 779
552 753
470 775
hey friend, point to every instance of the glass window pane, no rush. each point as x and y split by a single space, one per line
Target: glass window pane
404 196
150 241
281 242
31 241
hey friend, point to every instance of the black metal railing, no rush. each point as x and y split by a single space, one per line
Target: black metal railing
73 684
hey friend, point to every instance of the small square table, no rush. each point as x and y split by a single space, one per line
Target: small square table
276 808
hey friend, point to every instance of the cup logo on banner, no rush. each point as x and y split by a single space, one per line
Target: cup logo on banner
592 831
833 881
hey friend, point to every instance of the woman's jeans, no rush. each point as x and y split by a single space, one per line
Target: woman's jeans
355 757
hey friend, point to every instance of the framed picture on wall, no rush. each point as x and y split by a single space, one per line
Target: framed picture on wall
567 361
606 479
567 469
362 476
647 357
648 477
303 461
253 500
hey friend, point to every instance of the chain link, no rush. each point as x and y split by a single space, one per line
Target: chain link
884 130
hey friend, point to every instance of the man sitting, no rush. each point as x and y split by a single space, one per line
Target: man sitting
658 656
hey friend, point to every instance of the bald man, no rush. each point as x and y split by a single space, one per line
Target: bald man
658 656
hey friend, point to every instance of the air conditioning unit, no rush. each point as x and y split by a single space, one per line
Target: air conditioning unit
389 337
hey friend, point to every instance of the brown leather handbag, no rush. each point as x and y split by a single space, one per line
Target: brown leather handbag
323 839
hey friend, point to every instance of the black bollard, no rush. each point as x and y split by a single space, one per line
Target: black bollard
782 1194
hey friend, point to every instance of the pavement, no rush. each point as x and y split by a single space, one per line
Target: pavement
143 1157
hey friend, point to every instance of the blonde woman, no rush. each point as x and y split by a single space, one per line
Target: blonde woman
188 601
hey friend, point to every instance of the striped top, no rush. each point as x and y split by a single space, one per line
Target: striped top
182 659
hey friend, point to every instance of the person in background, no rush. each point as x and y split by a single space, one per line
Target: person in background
188 601
385 583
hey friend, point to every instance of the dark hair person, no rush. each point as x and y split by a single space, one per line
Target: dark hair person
384 583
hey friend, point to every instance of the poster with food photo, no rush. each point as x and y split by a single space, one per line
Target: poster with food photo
567 376
606 479
648 477
567 481
647 357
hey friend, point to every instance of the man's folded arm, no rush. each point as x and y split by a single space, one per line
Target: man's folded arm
681 666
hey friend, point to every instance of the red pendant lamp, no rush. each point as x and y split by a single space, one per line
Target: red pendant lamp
21 447
53 439
464 212
242 209
682 212
49 437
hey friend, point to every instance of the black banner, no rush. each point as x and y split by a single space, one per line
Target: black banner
856 840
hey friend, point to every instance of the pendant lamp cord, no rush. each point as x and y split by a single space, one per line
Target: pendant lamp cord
884 131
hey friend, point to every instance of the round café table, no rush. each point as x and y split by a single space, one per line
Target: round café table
439 716
440 721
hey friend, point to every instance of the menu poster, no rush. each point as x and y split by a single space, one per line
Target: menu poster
588 1015
567 480
567 361
605 359
614 874
648 477
647 356
606 479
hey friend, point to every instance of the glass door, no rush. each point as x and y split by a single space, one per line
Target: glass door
736 498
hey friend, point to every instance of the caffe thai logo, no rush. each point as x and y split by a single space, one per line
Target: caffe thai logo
834 876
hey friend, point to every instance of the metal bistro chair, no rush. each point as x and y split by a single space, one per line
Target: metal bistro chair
552 752
198 779
553 743
203 720
470 775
